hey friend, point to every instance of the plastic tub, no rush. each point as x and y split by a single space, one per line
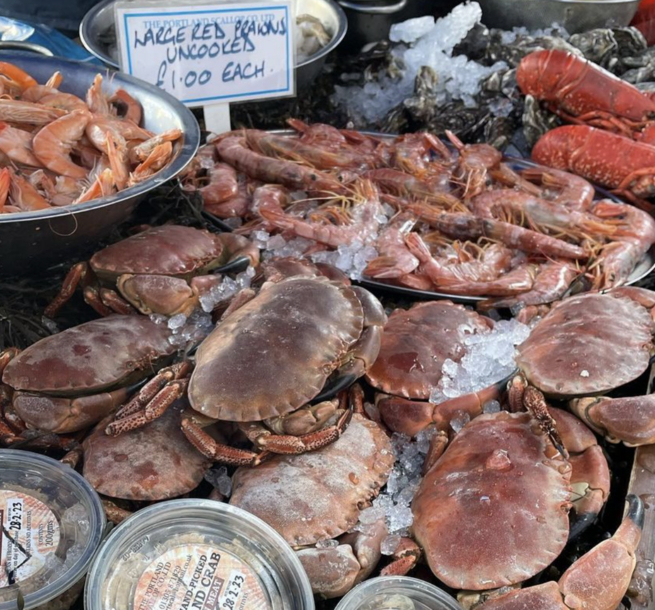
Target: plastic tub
191 553
394 591
52 524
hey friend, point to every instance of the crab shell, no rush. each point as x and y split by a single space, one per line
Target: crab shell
415 344
274 354
318 495
171 250
88 359
155 462
588 344
493 510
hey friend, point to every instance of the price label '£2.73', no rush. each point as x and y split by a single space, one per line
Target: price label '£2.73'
208 54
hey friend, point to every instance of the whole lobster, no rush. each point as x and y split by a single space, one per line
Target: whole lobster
581 92
608 159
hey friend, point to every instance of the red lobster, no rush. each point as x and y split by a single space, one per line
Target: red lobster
609 159
644 21
581 92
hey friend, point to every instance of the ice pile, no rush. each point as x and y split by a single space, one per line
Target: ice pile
395 501
423 42
555 30
226 289
350 258
489 358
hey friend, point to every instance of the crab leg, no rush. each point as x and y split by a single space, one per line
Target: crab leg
629 419
77 273
152 400
216 451
288 444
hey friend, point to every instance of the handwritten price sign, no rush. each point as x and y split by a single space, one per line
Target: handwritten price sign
209 54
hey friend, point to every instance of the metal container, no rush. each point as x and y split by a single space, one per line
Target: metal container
98 35
50 509
369 21
575 15
396 592
194 553
35 241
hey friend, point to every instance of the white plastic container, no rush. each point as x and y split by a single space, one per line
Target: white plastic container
52 524
195 554
398 593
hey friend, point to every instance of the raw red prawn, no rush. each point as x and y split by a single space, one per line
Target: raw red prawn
395 258
634 235
463 226
364 226
474 163
403 185
582 92
551 281
494 261
233 150
222 184
569 190
606 158
294 149
538 214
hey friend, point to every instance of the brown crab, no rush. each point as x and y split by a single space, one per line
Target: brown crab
317 497
153 463
161 270
596 581
270 357
71 380
502 488
588 345
415 344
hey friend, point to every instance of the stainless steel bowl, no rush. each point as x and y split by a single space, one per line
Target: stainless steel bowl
35 241
575 15
98 34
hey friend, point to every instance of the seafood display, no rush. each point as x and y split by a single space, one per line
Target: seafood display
331 367
57 149
417 213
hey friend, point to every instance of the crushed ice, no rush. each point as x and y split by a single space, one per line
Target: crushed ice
423 42
489 358
395 500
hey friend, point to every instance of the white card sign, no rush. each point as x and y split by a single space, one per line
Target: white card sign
210 54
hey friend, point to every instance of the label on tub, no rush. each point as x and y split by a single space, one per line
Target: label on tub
30 532
199 577
209 53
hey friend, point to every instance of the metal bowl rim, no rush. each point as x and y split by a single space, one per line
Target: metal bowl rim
337 37
191 131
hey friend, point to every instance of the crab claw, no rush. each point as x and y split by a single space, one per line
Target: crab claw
630 419
411 416
590 476
598 580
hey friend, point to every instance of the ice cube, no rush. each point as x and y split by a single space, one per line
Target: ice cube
390 544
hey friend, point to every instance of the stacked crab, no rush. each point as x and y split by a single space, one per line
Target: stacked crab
270 389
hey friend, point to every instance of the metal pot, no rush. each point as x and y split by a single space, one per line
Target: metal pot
35 241
98 35
575 15
369 21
